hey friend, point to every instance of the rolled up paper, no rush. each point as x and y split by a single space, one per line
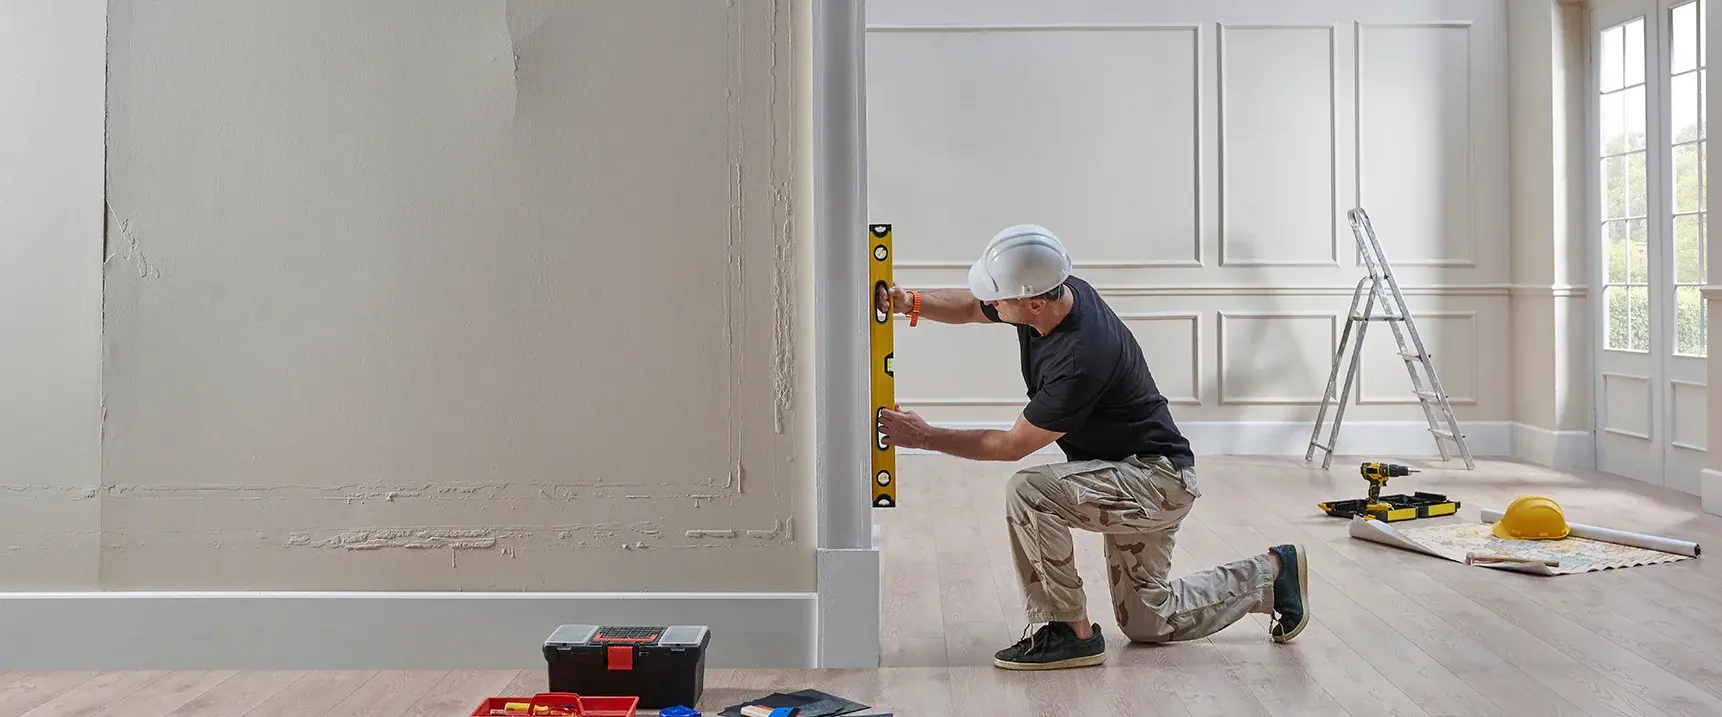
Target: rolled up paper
1606 535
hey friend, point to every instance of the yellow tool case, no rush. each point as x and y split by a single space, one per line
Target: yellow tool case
1399 507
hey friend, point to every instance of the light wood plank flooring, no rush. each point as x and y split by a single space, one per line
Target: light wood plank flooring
1394 633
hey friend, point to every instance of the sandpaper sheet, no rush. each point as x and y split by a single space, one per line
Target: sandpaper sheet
812 703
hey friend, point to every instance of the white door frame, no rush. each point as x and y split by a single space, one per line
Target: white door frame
1654 455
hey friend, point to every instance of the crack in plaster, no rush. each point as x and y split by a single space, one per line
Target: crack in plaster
457 538
131 253
783 259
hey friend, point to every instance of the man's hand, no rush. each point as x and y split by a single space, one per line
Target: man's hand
893 300
905 429
946 306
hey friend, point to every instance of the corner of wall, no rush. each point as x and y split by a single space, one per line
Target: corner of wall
1571 450
1710 491
848 616
1550 259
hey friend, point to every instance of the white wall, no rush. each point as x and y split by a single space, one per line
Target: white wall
1551 346
51 72
1198 159
485 296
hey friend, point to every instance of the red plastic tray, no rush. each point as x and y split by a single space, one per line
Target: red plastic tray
559 702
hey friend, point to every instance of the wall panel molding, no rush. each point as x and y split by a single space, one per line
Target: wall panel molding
1195 319
1194 399
1642 395
1498 290
1674 423
1559 291
1361 100
1226 350
1195 263
1468 399
1198 142
1290 438
1332 31
1036 27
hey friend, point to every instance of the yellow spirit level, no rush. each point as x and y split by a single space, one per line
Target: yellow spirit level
884 473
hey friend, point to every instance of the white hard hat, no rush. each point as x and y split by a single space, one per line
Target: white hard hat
1021 261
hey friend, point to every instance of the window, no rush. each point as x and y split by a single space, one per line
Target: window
1631 203
1686 46
1620 119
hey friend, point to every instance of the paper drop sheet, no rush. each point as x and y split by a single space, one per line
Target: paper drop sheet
1454 541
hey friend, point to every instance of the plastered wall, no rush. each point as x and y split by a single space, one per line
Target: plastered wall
1198 160
461 295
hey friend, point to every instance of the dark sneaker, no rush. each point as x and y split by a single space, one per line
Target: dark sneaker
1291 593
1053 647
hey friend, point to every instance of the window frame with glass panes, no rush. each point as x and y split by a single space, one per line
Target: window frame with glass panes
1646 147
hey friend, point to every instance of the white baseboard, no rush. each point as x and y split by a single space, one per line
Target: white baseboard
1287 438
1710 491
1562 450
354 630
849 607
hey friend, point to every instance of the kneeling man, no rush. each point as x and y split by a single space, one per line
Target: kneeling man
1129 474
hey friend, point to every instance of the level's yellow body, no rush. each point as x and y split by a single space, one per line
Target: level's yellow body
884 473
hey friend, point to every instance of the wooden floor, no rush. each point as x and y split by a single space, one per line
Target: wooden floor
1394 633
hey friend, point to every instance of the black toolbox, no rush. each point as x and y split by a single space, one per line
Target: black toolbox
664 666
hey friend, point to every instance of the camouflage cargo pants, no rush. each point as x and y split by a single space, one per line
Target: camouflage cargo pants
1137 504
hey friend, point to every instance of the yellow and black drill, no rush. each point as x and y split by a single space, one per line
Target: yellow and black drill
1377 475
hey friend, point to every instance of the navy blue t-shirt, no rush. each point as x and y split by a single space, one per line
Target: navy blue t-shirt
1088 380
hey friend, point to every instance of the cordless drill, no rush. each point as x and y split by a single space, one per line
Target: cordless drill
1377 475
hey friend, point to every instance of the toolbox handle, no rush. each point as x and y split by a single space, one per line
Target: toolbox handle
556 700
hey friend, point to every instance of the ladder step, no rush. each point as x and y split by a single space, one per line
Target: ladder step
1412 357
1427 395
1325 448
1443 433
1361 317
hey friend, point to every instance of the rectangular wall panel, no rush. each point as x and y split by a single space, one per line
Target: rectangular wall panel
1414 143
1451 338
1689 424
1172 345
1272 358
1626 405
1091 132
1277 124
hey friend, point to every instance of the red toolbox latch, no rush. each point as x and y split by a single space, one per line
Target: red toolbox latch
621 657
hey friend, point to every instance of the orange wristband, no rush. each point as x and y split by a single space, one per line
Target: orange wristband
914 306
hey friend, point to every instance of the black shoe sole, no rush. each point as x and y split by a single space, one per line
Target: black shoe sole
1302 593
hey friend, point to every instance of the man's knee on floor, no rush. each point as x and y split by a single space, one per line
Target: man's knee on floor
1139 625
1145 631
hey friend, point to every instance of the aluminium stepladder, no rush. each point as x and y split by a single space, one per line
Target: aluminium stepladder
1381 287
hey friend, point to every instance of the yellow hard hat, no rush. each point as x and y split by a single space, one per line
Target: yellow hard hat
1532 517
